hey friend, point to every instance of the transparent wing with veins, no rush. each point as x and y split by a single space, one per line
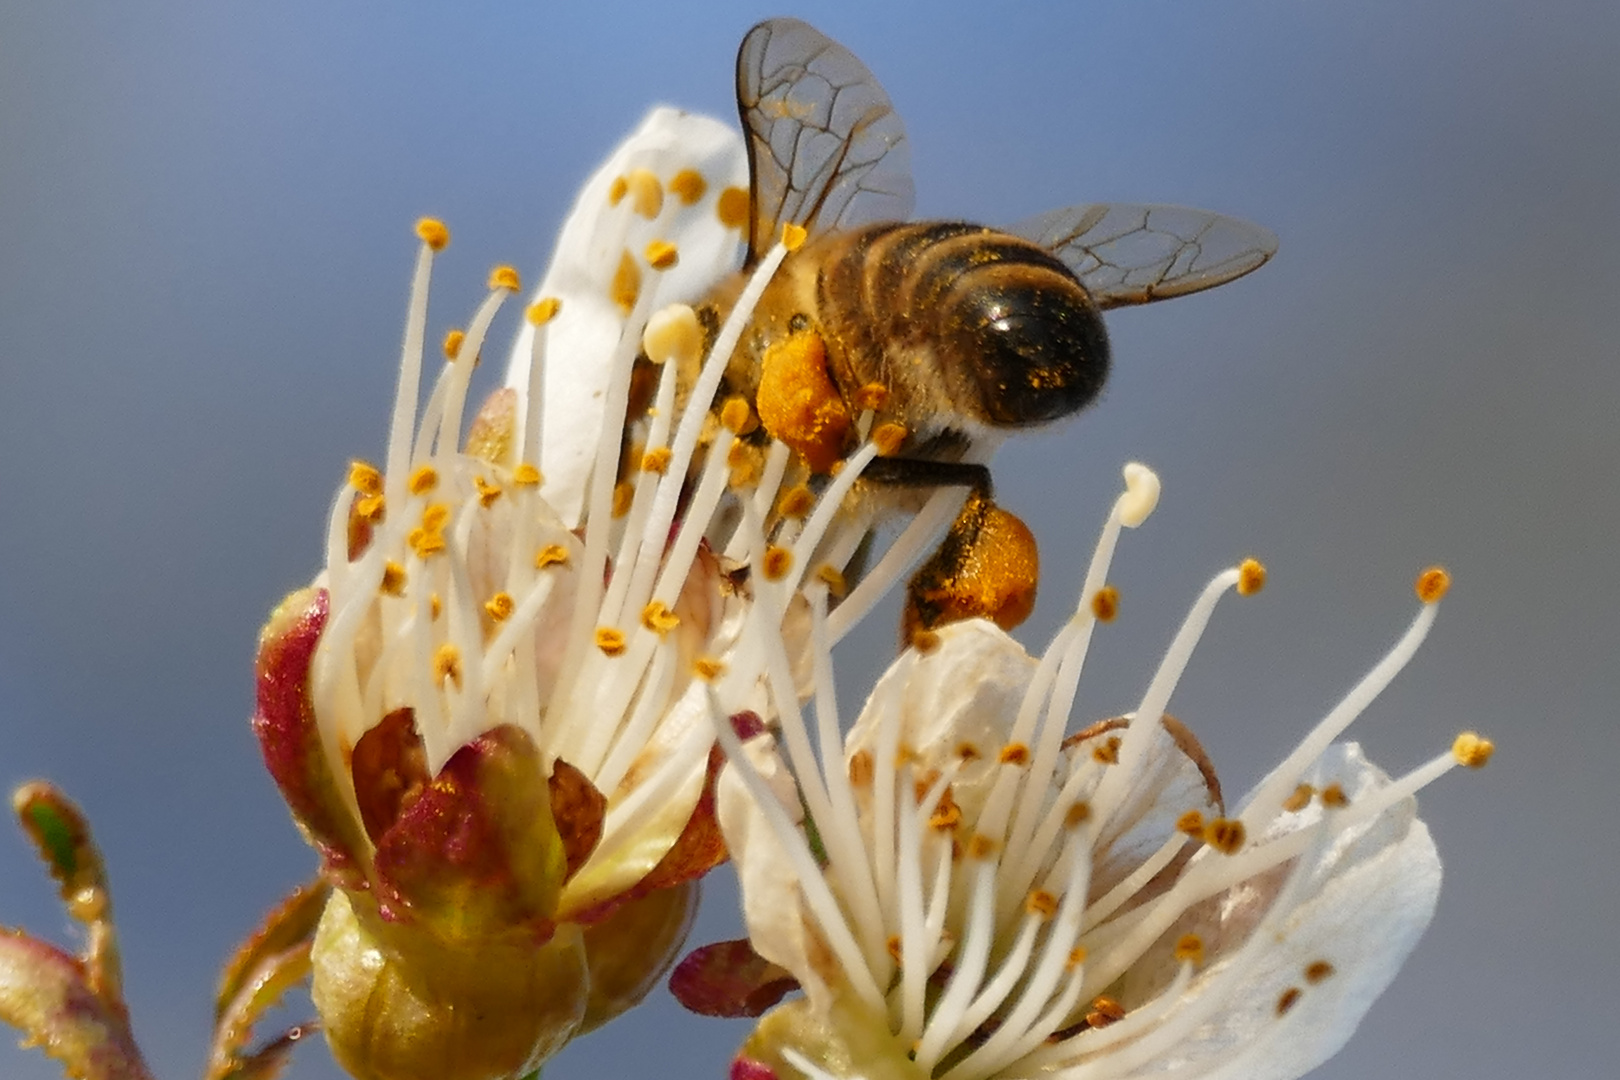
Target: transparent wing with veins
1128 253
826 149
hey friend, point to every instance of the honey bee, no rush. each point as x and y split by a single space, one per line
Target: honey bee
953 334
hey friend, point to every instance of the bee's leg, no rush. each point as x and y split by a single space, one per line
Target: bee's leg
987 567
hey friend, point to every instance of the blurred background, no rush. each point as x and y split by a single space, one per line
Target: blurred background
205 239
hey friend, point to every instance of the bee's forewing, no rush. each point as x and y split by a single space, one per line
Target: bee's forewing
1128 253
826 149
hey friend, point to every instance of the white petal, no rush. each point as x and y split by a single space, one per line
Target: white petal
584 335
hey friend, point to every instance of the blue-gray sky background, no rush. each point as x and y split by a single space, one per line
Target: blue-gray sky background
205 216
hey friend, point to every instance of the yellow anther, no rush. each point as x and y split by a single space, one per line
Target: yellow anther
732 208
1190 949
796 502
423 480
1014 753
661 255
871 397
966 751
1333 796
1042 903
369 508
1251 577
551 555
646 193
688 186
505 277
500 606
435 607
365 478
657 617
888 438
892 944
425 542
673 333
1225 835
1107 751
778 561
626 286
737 416
1105 604
1299 800
609 640
617 190
793 236
447 664
1317 970
543 310
832 577
981 846
393 579
526 475
1191 823
1077 956
708 668
452 343
947 815
1288 999
1432 584
1472 750
623 495
435 516
487 492
657 460
433 233
1078 813
860 768
1104 1011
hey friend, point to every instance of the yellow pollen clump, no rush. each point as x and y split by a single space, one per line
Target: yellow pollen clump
1288 999
1299 800
1225 835
1079 813
1191 823
732 208
500 606
505 277
1472 750
793 236
365 478
1433 584
1042 903
737 416
832 577
551 555
1251 577
1104 1011
617 190
609 640
423 480
1106 752
657 617
526 475
452 343
1317 970
860 768
623 495
433 233
626 285
1105 604
778 561
1077 956
543 310
425 542
871 397
657 461
1190 948
447 664
981 846
1333 796
888 438
661 255
393 579
708 668
688 186
1015 753
795 502
487 492
947 815
435 608
435 516
369 508
646 193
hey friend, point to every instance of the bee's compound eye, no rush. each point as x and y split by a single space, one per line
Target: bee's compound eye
1036 345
